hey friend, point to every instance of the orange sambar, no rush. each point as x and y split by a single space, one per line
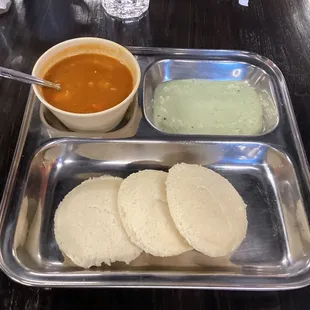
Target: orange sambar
89 83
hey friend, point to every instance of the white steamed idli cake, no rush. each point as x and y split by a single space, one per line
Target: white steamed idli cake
143 208
206 208
87 225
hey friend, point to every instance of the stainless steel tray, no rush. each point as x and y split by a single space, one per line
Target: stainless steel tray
270 171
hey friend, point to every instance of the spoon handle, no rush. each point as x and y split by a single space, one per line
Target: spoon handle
26 78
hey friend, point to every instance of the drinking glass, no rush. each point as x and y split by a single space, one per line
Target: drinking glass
126 9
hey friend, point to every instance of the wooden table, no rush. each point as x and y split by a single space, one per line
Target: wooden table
277 29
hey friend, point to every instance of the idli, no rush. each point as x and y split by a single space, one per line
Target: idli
206 209
87 225
142 204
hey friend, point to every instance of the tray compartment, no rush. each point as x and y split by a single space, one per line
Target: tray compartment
277 244
214 70
128 127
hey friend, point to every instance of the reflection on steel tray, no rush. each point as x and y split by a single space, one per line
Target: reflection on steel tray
270 172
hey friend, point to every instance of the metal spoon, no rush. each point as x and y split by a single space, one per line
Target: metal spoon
26 78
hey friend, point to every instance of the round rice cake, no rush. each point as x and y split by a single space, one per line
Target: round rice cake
88 229
206 208
142 204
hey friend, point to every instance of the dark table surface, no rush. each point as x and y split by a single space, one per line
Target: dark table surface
277 29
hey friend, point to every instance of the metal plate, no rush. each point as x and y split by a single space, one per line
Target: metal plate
270 172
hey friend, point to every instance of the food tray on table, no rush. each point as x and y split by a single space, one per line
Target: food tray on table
269 171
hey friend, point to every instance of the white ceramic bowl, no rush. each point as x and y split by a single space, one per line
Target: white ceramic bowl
100 121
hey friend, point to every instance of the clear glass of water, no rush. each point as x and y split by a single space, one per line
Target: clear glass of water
126 9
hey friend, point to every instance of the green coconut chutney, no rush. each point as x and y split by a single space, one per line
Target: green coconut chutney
208 107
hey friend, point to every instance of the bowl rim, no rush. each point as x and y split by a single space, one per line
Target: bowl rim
85 39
